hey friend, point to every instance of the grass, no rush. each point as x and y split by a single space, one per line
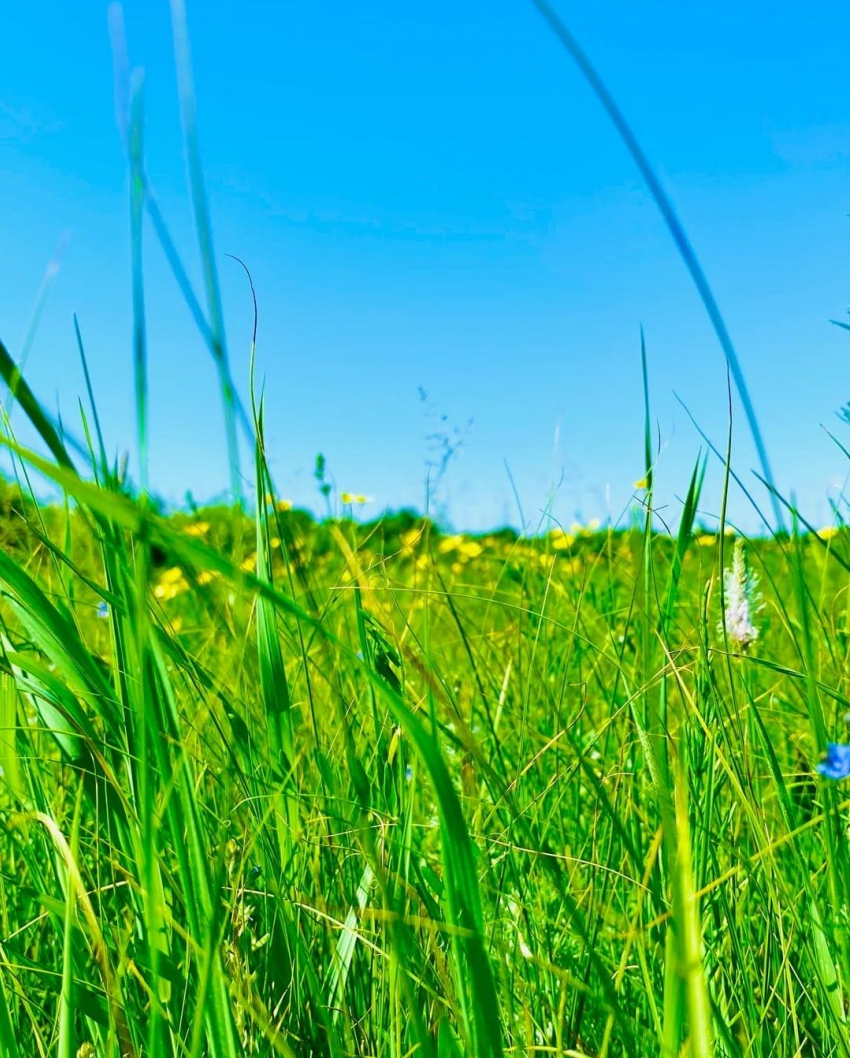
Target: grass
279 786
340 788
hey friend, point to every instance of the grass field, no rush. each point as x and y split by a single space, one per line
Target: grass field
279 786
273 786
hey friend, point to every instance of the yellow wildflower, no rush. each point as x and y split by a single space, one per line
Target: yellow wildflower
465 548
249 564
354 497
706 540
828 532
197 529
560 540
450 543
172 583
642 483
411 537
284 505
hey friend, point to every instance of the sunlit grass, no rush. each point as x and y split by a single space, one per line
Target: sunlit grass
274 785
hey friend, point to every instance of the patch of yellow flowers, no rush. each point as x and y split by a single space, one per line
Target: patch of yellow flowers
171 584
461 546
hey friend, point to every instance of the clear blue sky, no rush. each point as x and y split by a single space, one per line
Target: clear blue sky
429 196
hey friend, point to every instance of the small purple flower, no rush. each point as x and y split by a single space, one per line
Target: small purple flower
836 764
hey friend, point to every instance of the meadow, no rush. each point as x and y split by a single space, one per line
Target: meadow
274 785
320 787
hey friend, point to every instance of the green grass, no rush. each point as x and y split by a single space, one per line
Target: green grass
348 788
273 786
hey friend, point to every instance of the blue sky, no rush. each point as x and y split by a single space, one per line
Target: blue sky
429 197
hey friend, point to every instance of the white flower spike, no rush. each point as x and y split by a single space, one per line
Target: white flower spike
742 600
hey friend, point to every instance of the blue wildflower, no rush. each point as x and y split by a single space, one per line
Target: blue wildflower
102 609
408 773
836 764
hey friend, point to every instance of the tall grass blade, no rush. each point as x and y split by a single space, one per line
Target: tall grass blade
674 225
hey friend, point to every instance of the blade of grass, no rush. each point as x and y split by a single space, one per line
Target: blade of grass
674 225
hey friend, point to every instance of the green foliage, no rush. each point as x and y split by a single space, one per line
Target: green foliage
409 800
